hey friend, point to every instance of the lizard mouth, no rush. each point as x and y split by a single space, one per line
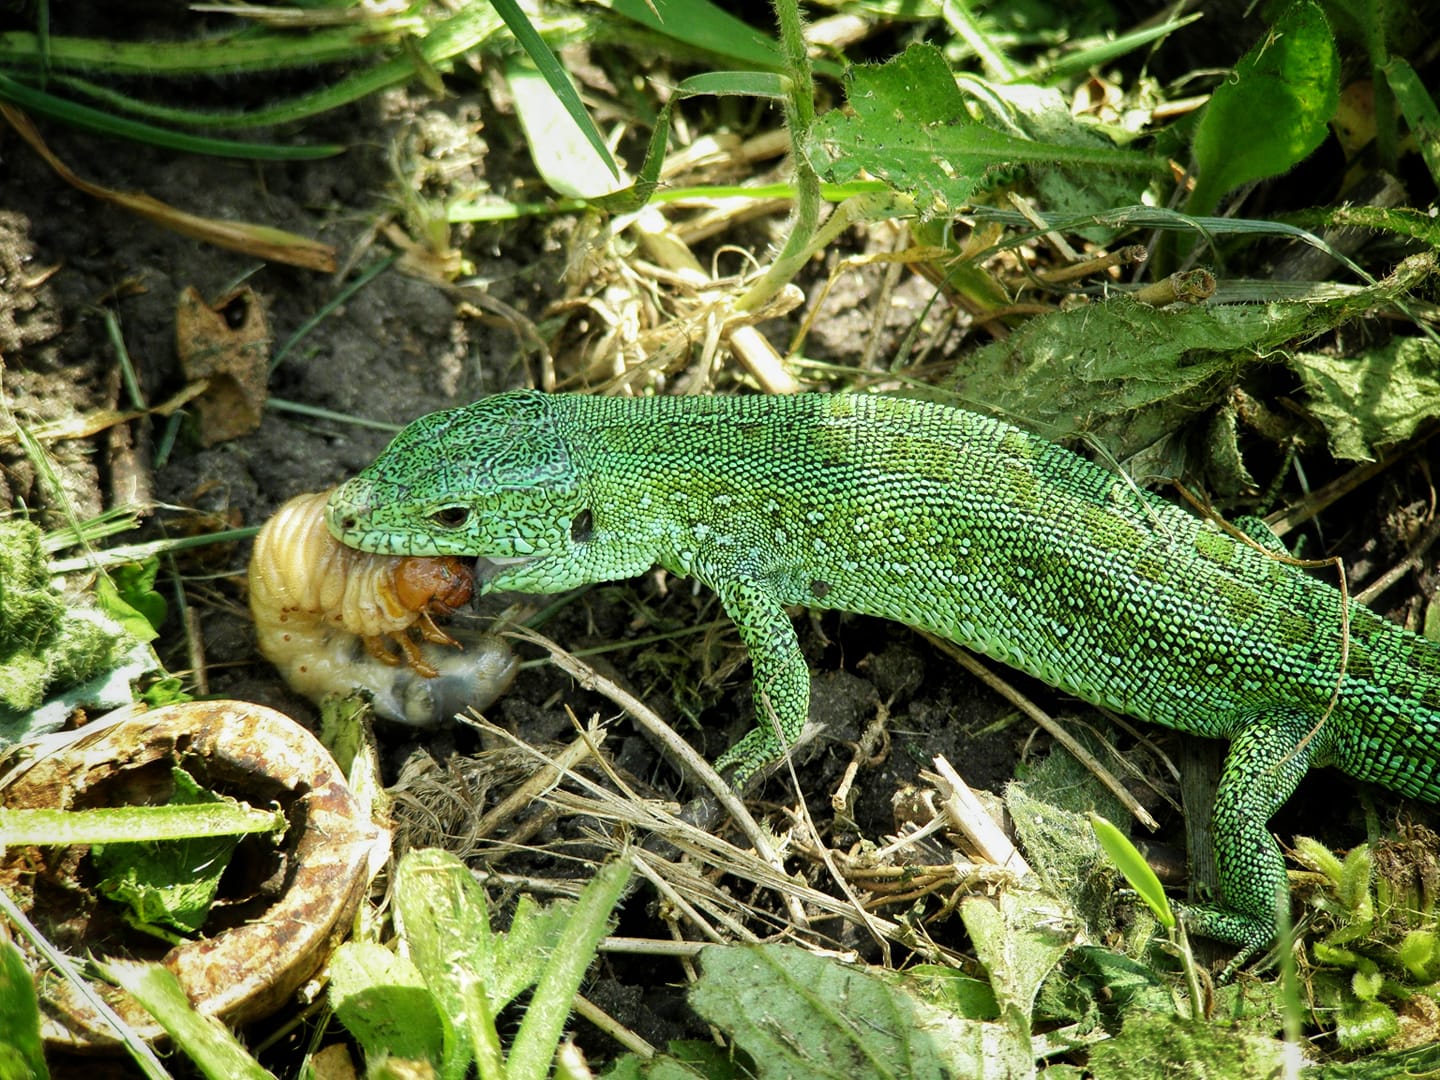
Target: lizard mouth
487 569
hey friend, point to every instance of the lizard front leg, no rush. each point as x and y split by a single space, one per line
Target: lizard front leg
781 679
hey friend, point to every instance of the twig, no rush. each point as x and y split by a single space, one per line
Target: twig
1046 721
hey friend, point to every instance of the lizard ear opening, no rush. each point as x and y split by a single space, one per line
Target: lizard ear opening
582 527
451 517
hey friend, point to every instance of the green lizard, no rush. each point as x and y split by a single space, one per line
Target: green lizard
942 519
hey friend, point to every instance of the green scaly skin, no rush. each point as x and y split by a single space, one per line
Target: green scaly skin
941 519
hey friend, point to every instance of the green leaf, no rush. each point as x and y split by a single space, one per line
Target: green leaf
21 1052
1136 870
1060 374
564 153
565 966
962 994
1375 399
167 691
442 917
1417 952
444 922
1335 955
1019 937
1363 1024
134 824
704 1059
383 1001
206 1041
705 27
211 56
1272 112
127 594
1366 982
1109 49
1157 1043
467 29
555 76
797 1014
1115 979
1072 189
1355 877
168 885
1418 108
473 972
910 127
665 1067
1310 852
102 123
762 84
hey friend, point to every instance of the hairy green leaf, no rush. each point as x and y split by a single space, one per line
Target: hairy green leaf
1272 112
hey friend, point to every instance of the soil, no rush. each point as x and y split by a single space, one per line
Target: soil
398 348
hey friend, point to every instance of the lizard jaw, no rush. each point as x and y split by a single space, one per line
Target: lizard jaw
488 568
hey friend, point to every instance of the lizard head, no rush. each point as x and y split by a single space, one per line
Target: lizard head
493 480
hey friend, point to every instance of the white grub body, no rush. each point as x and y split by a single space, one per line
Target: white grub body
333 620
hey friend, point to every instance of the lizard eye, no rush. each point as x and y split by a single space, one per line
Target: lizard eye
451 517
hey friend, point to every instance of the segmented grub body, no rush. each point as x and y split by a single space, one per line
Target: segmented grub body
332 619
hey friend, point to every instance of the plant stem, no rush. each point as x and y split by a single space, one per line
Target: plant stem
799 116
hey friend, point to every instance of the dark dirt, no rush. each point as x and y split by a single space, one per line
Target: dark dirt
397 349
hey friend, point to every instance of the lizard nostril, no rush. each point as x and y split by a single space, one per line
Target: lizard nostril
582 528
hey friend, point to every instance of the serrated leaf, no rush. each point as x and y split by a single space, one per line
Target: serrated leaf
445 924
910 128
441 914
1272 112
1073 189
170 884
1019 937
1310 852
1060 374
797 1014
1365 1023
1375 399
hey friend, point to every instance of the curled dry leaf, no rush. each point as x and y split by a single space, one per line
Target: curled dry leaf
332 619
284 905
227 345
